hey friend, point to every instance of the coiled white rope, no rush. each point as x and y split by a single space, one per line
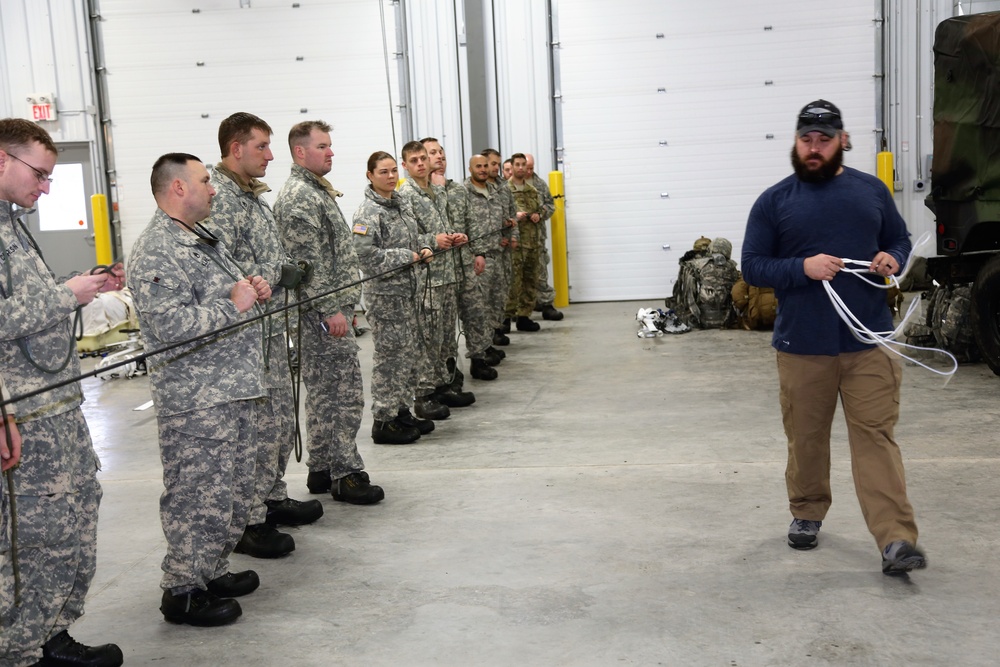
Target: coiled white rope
886 339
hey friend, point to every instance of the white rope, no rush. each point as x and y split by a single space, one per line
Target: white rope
886 339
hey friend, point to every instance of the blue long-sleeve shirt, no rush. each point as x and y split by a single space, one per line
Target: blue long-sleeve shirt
851 216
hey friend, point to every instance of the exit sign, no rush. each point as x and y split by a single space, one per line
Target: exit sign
43 107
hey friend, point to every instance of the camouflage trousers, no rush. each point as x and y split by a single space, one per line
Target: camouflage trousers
275 441
57 496
437 317
335 398
472 314
546 295
395 360
524 283
498 293
208 458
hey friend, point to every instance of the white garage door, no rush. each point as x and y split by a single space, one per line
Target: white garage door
676 115
175 72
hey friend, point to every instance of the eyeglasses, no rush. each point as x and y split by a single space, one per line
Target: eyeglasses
39 174
822 116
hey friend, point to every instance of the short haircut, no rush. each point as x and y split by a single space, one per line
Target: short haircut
411 147
427 140
239 127
377 157
301 131
17 133
516 156
509 161
167 168
487 152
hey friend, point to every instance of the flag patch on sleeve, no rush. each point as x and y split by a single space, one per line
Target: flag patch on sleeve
360 229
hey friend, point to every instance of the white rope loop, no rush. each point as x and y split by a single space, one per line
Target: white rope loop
886 339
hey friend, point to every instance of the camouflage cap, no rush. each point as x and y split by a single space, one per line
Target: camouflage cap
702 244
721 246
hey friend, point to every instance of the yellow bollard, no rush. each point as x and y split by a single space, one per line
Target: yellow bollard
884 167
560 267
102 229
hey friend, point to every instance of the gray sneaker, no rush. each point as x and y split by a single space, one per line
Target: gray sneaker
802 533
900 557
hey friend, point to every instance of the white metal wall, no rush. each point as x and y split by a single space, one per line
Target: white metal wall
176 72
677 116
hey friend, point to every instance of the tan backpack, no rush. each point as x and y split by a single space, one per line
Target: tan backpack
756 307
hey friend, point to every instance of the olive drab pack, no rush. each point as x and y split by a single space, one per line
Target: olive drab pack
947 323
702 295
756 307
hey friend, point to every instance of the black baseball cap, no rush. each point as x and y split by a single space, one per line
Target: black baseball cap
819 116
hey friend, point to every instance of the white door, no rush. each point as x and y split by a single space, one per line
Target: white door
676 115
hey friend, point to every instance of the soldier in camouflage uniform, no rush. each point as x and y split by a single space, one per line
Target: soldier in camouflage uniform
314 229
242 219
471 310
485 226
185 284
55 484
546 295
10 455
508 242
438 308
524 287
388 243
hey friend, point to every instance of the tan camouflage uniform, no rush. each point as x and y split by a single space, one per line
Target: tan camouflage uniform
314 229
524 284
546 294
437 310
56 488
205 395
242 219
386 236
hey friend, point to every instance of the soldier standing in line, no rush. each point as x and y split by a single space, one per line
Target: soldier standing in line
185 284
10 456
478 335
485 226
314 229
524 286
437 308
55 485
242 219
508 242
386 237
546 295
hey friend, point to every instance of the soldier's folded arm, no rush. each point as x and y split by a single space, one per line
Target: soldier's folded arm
26 314
172 314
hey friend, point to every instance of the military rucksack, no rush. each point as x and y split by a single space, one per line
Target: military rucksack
702 294
756 307
947 323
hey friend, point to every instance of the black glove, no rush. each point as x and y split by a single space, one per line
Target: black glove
291 276
307 269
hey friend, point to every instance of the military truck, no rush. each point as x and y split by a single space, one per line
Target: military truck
965 169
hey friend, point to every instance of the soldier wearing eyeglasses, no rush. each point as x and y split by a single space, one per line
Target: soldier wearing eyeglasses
55 485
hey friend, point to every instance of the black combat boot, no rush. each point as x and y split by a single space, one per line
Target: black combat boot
199 608
525 323
446 395
289 512
319 481
499 353
492 356
264 541
427 407
482 371
499 338
234 584
549 312
505 328
393 433
357 489
61 649
405 418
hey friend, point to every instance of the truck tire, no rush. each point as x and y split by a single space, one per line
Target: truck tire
985 315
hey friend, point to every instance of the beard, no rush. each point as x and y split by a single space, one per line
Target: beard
825 171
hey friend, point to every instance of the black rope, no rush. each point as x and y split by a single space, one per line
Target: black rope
234 325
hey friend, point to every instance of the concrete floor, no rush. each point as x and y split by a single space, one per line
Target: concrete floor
609 500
